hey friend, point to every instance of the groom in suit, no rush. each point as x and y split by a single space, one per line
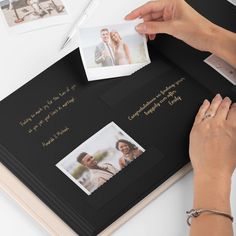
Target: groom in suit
104 52
99 174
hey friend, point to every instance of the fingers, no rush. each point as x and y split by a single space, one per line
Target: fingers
168 12
219 109
150 7
232 114
201 112
154 27
214 105
223 109
153 16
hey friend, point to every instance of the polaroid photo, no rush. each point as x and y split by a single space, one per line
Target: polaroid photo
222 67
110 51
100 158
26 15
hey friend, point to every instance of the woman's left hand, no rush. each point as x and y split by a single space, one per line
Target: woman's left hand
213 139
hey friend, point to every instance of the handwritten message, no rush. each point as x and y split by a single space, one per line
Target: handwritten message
55 136
168 95
45 113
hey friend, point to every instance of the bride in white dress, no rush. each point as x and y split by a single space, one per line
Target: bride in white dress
121 49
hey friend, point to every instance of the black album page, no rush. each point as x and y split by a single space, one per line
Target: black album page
191 60
92 150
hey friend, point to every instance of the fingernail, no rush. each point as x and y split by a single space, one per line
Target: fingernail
218 96
227 99
141 28
203 104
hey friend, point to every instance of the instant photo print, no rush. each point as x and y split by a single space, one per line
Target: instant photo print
60 132
109 51
26 15
100 158
222 67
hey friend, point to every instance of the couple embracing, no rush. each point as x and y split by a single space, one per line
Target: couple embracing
112 50
100 173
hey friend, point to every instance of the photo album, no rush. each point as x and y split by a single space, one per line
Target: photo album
96 133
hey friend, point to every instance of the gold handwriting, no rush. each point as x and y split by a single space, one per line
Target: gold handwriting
55 136
47 106
168 95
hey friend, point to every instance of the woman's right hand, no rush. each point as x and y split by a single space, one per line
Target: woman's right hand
177 18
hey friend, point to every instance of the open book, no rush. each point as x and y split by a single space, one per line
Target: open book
61 136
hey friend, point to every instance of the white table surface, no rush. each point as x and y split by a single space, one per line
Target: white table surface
24 56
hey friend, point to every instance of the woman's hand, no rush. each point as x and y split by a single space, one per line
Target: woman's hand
213 139
179 19
213 157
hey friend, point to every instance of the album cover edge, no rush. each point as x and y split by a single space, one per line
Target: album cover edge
52 223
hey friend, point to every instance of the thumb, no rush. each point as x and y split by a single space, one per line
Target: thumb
154 27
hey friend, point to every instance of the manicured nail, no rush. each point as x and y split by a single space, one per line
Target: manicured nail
141 28
227 99
127 17
205 102
218 96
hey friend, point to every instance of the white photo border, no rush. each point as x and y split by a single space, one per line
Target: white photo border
230 77
117 70
91 139
37 24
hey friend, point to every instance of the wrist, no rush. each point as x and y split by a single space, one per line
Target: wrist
214 176
212 192
213 38
222 42
216 180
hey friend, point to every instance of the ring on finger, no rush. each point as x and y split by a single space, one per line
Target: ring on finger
208 115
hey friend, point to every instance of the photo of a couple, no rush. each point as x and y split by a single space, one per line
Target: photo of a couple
113 47
21 11
112 50
100 158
